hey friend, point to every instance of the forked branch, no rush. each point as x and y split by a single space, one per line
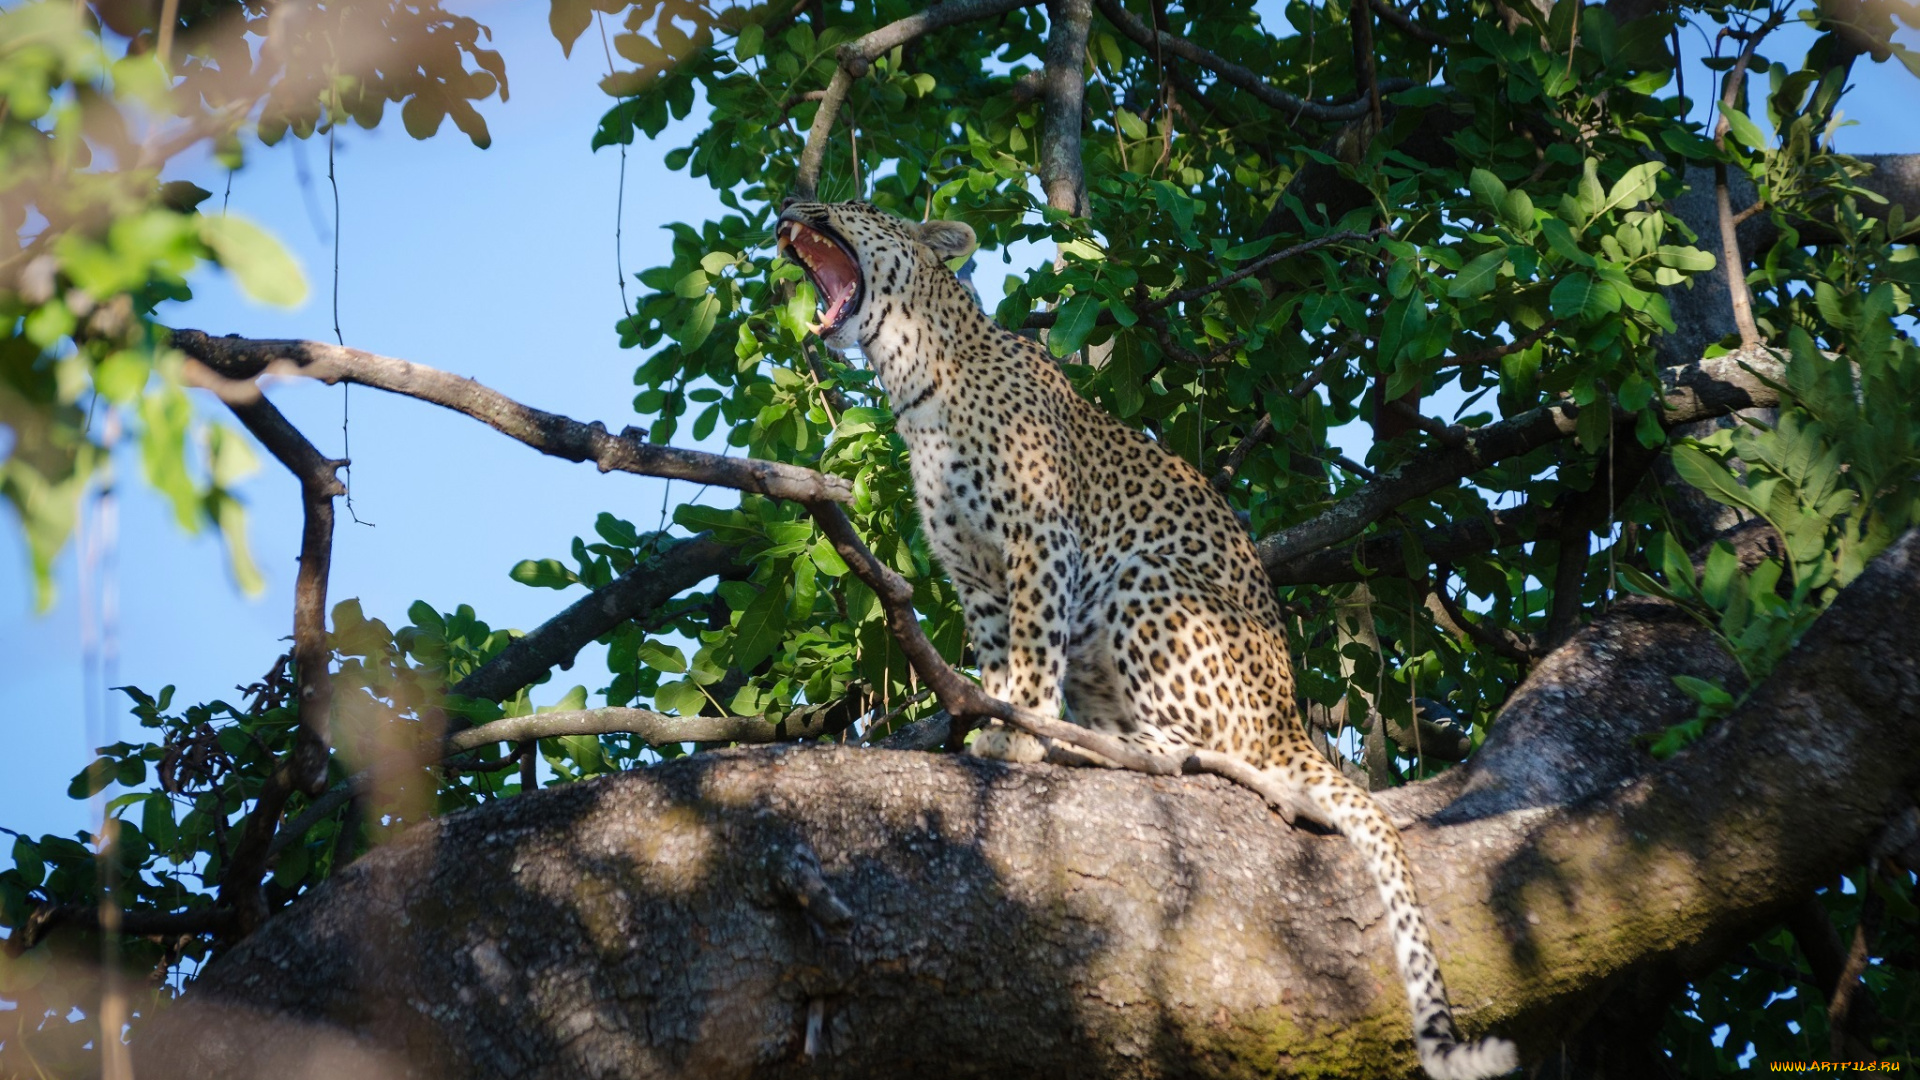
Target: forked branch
243 359
853 59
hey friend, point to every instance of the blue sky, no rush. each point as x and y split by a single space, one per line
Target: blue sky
496 264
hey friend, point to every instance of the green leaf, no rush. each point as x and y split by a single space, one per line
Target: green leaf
1578 294
683 697
1636 186
1744 129
1078 316
760 629
859 420
263 269
543 573
1488 189
1478 276
751 39
662 657
27 860
1690 259
1703 472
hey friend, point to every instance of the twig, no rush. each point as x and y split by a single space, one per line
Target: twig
652 728
1262 431
244 359
660 729
1482 357
1443 433
305 768
1360 16
1840 1006
1739 294
209 920
319 486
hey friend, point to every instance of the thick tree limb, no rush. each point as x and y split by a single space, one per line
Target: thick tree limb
1711 388
1085 922
1061 175
549 433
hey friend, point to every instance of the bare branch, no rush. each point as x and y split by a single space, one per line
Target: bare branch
244 359
305 767
855 57
806 181
1483 357
1230 468
319 486
1730 91
1381 555
1498 640
660 729
1715 387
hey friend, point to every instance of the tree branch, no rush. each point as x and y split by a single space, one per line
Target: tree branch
855 57
1711 388
1061 173
1404 22
305 767
1233 74
245 359
1041 320
644 587
319 486
1382 555
660 729
1558 865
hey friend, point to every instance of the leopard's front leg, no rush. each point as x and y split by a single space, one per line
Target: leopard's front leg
1042 576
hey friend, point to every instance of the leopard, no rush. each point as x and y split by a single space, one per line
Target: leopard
1098 574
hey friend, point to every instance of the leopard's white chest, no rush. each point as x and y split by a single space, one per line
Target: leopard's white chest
955 483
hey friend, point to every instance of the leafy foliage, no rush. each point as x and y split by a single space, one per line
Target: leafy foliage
1523 249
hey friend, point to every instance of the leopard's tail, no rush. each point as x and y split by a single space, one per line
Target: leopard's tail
1333 799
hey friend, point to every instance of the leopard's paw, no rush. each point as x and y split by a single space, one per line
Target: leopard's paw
1002 743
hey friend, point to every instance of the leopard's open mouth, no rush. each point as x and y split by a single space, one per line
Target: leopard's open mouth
831 267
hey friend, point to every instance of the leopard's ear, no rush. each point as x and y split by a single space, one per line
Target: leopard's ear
949 239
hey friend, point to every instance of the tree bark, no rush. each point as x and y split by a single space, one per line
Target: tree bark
833 911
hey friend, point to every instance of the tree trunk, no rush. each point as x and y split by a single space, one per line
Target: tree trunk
830 911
